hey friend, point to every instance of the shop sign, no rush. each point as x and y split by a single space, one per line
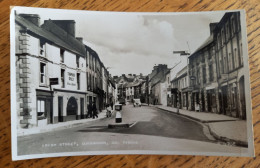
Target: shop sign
71 79
54 81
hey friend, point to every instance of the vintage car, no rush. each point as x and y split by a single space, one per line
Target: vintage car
122 101
137 103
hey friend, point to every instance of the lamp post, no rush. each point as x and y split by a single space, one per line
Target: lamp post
182 53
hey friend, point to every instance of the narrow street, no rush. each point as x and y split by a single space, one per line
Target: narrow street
151 129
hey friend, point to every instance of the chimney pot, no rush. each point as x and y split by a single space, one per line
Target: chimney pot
34 18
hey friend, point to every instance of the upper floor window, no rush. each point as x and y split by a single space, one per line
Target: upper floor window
227 30
42 50
87 57
233 26
42 73
222 37
211 75
204 75
62 55
62 74
78 81
77 61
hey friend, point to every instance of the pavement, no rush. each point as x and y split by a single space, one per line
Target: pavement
222 127
61 125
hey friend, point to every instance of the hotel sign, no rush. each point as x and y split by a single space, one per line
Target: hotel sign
71 79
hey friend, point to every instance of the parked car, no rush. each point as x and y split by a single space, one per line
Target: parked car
137 103
122 101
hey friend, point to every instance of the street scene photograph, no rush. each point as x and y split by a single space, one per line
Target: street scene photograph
88 82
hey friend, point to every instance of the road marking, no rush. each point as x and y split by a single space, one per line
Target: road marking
133 124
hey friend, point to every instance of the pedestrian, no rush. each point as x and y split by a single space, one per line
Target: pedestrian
109 111
112 104
94 109
89 115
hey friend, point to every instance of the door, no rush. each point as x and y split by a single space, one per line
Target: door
48 107
82 108
60 109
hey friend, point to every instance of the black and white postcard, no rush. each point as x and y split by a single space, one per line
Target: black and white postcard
95 83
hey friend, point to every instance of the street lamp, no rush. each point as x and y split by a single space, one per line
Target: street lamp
182 53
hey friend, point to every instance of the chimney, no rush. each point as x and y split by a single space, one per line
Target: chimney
141 75
130 74
67 25
212 27
80 39
34 18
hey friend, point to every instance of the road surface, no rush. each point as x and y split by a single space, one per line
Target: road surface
151 129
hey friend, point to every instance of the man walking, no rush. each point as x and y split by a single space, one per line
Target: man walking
112 104
90 108
94 107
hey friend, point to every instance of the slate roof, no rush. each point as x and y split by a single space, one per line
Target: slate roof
53 34
206 42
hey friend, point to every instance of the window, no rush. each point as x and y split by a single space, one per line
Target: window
235 58
42 73
204 75
62 55
41 113
78 81
42 48
87 57
234 96
222 37
219 41
233 26
211 76
241 54
202 57
198 77
227 30
62 74
77 61
230 61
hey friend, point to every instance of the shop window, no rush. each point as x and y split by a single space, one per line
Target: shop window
62 78
213 100
234 96
41 113
62 55
42 73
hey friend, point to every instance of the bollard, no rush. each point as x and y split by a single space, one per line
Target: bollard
118 117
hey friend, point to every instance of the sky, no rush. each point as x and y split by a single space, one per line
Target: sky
135 42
